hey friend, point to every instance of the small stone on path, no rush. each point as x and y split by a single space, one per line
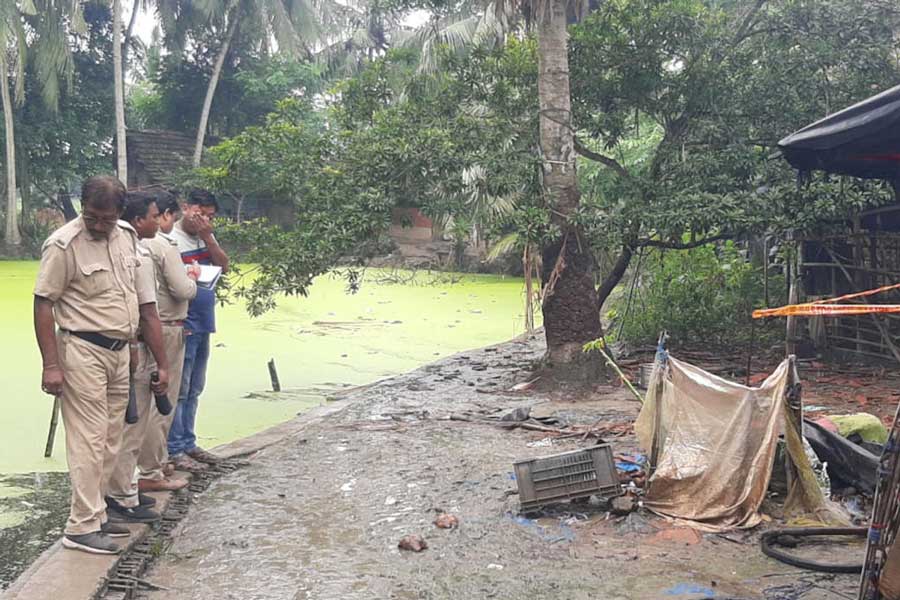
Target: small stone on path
413 543
446 521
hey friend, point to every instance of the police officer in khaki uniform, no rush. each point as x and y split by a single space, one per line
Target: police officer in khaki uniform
87 285
141 220
176 286
141 216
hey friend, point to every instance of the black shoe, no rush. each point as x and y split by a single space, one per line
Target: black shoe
95 543
145 500
123 514
114 530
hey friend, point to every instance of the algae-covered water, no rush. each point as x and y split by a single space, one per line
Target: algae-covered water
320 344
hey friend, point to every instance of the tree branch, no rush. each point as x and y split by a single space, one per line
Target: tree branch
741 33
600 158
615 276
683 245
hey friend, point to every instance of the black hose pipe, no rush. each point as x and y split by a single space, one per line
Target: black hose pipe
770 537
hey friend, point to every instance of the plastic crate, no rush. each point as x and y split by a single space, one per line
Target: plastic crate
566 476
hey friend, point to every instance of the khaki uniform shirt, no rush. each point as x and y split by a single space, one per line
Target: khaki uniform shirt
93 284
174 288
145 282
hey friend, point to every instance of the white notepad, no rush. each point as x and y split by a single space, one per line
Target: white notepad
209 276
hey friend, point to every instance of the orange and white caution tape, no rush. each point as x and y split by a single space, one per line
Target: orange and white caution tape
828 308
825 310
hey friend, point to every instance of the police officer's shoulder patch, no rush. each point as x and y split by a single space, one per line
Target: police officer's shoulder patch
131 232
168 238
126 226
63 236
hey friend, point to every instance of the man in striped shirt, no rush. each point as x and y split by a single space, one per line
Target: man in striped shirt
197 244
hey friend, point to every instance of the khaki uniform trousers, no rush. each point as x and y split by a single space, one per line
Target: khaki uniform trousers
154 453
147 438
93 401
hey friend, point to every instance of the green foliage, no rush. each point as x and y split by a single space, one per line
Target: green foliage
291 159
683 99
252 83
57 146
392 137
690 98
703 296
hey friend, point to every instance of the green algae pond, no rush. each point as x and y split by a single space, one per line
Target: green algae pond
321 344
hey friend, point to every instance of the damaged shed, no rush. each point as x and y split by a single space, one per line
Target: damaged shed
860 141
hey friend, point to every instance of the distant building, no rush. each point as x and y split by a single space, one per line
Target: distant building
862 252
409 225
156 156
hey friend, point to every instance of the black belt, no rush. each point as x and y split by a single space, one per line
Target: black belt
98 339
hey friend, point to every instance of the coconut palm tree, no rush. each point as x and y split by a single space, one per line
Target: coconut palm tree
13 46
294 25
569 303
571 312
119 94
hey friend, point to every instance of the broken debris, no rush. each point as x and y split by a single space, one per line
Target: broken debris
623 505
413 543
446 521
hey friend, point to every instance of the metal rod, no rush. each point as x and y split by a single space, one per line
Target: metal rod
54 421
750 349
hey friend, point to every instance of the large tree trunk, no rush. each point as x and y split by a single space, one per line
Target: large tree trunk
571 314
211 88
119 92
12 206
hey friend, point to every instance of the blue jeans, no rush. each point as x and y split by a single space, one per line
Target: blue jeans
182 437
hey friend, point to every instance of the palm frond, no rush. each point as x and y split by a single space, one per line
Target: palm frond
476 23
52 53
76 17
213 10
508 243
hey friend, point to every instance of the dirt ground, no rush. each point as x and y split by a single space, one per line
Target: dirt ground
319 515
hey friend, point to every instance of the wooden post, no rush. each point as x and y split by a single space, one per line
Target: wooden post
273 375
54 421
529 289
766 269
794 407
657 420
793 297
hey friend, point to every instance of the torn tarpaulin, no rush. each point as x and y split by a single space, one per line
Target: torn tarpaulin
712 447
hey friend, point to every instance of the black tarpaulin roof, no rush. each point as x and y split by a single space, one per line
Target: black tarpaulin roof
862 140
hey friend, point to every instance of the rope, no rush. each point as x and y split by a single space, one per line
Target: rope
885 288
